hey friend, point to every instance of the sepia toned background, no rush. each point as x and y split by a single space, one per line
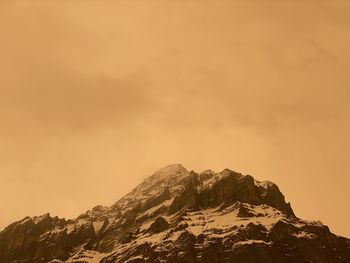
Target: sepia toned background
97 95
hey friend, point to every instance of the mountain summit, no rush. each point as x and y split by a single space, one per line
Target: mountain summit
176 215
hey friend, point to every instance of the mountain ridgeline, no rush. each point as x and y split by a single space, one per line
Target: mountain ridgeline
177 215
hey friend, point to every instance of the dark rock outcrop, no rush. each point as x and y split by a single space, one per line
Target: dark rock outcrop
159 225
39 239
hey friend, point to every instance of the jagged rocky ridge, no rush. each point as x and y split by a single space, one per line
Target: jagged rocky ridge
177 215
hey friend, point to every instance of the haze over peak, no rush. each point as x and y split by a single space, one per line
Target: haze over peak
171 169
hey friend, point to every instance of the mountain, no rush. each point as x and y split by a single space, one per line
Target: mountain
177 215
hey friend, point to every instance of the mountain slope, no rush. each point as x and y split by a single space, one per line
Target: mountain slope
179 215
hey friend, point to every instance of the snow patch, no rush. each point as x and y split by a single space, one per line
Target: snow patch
251 242
304 235
98 226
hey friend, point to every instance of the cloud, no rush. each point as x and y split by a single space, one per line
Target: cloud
59 99
95 95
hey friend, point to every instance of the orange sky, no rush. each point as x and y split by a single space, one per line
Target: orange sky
96 95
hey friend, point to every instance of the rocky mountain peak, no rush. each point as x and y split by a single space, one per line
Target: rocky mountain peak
179 215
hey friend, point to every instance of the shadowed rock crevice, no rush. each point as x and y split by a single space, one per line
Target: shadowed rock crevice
159 225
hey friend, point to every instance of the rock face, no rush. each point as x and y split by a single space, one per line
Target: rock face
177 215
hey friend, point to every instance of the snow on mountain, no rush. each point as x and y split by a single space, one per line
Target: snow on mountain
179 215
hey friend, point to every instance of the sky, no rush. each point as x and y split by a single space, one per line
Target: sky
97 95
